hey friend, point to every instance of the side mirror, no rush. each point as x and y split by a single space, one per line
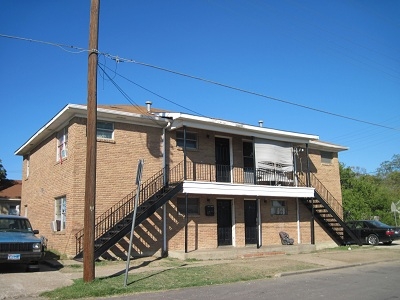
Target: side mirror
36 231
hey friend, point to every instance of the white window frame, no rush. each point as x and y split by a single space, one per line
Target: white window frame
60 212
279 207
105 130
62 144
28 162
193 206
191 139
326 157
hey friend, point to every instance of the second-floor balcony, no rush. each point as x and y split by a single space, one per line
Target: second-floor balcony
240 175
271 175
234 180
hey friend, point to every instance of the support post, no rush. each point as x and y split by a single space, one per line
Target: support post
312 206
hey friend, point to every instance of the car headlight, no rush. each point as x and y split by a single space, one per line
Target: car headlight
36 246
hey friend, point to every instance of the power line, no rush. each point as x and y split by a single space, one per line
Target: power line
154 93
261 95
145 113
62 46
120 59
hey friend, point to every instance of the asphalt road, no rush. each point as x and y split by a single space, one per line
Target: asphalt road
368 282
361 274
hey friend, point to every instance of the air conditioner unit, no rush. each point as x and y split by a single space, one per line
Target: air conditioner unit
53 225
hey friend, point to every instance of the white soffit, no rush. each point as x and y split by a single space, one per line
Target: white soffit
220 188
75 110
211 124
325 146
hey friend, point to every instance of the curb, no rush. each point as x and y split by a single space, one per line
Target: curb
315 270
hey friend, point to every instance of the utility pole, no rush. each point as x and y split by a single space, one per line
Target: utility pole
91 147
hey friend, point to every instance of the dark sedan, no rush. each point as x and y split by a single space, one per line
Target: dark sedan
372 232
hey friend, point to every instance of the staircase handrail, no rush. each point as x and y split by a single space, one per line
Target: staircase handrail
330 200
125 206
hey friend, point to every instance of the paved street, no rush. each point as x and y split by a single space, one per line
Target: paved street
368 282
368 271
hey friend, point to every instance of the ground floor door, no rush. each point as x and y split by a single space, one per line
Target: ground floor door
250 221
224 222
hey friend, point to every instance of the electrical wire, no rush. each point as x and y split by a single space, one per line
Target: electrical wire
154 93
126 96
61 46
120 60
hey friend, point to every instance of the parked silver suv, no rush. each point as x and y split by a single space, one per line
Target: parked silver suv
19 243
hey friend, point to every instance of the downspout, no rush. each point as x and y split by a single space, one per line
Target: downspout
254 162
164 251
186 196
295 154
164 150
312 207
298 221
295 166
259 222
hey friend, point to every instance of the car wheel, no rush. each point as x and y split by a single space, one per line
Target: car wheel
372 239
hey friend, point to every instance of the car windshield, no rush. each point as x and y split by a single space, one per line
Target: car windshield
15 225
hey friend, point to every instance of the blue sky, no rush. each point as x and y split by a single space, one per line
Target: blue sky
340 57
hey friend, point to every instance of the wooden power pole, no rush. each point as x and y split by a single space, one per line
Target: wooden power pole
91 147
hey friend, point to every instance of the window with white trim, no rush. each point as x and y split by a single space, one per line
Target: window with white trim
191 139
62 144
326 157
105 130
193 206
60 208
28 159
278 207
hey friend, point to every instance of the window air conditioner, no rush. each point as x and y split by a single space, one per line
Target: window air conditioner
53 225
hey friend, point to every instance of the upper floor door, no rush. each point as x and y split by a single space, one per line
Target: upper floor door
222 160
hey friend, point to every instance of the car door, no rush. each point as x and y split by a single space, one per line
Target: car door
358 227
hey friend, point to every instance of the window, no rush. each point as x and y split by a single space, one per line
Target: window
191 140
60 213
248 162
193 205
62 144
278 207
28 159
248 157
105 130
326 157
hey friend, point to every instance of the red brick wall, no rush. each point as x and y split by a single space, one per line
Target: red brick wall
116 173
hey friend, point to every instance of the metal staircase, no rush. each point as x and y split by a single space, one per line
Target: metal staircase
329 213
116 222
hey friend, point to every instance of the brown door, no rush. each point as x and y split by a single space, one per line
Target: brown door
222 160
224 222
250 221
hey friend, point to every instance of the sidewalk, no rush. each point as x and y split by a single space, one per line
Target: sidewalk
278 262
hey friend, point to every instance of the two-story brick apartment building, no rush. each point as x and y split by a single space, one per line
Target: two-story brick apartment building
207 183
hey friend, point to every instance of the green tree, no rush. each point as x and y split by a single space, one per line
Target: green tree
389 166
366 196
3 172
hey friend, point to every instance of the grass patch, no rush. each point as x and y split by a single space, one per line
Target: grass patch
173 278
